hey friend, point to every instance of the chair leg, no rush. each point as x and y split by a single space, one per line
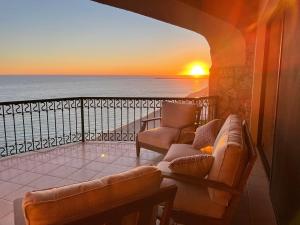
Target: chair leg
138 148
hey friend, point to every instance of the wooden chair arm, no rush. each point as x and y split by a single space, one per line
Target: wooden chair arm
188 125
144 122
202 182
181 129
151 119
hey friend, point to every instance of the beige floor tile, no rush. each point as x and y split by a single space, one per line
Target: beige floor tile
77 163
8 219
127 161
132 162
10 173
45 168
62 171
43 157
8 187
83 175
60 160
25 178
19 193
26 165
107 158
2 166
97 166
113 169
65 182
6 207
45 182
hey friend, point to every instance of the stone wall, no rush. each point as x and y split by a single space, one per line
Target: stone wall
233 86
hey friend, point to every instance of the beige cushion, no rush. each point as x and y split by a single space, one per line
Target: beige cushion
195 199
195 165
69 203
230 158
206 135
164 166
161 137
180 150
177 115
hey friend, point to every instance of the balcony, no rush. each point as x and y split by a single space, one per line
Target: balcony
46 143
39 124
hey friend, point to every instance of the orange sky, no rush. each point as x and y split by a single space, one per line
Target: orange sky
102 41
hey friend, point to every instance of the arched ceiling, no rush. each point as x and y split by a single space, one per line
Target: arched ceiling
239 13
224 32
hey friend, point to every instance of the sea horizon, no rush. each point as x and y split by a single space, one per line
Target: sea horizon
108 76
32 87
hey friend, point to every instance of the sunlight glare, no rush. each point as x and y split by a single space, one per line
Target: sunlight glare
196 69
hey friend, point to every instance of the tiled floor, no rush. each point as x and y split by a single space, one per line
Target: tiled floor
81 162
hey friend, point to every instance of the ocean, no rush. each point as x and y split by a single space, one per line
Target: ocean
15 88
31 126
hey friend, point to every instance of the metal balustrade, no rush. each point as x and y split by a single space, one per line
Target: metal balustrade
37 124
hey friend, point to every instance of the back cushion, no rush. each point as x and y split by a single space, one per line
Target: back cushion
68 203
177 115
230 158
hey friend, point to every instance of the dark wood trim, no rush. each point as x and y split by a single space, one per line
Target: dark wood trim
265 162
202 182
262 103
277 88
275 153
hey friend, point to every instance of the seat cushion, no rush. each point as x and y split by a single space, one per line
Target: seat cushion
177 115
180 150
164 166
195 165
161 137
230 158
195 199
206 135
69 203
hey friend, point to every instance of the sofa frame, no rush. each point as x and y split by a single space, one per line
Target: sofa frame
144 204
236 192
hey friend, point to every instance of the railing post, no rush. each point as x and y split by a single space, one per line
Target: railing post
82 120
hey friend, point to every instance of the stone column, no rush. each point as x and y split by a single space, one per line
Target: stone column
233 86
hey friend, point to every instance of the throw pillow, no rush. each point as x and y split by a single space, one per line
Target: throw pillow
195 165
206 135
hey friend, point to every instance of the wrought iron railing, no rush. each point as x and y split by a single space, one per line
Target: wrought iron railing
38 124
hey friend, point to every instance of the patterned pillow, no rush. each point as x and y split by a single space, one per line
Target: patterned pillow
195 165
206 135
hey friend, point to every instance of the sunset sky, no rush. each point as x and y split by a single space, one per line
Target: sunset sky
83 37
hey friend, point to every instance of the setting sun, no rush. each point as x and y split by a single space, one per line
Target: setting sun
196 69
